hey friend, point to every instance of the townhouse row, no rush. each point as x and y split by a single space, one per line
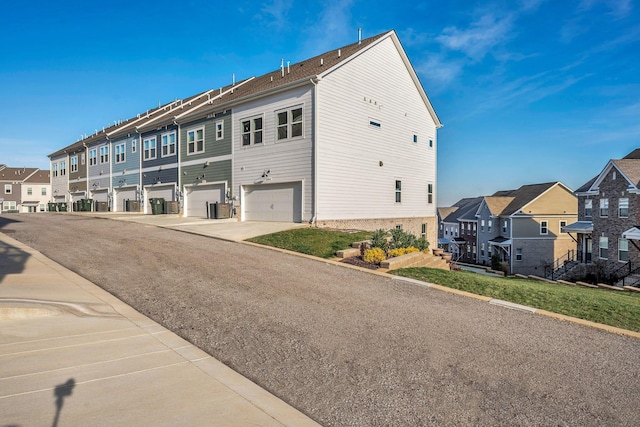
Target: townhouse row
345 139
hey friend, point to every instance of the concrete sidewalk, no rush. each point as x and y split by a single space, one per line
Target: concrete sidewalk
73 354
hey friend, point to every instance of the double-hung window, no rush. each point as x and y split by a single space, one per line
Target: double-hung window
429 193
104 154
489 226
63 168
195 141
168 144
149 145
74 164
219 130
562 224
43 191
482 225
398 191
544 227
604 208
623 250
8 189
82 159
134 145
251 131
604 247
55 169
120 153
623 208
93 157
289 124
518 254
29 191
504 226
588 207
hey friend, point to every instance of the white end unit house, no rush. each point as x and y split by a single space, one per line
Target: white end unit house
346 139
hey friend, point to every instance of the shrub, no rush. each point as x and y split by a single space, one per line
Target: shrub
401 239
422 244
396 252
379 239
411 249
495 262
374 255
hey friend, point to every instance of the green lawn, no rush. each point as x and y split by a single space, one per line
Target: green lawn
312 241
619 309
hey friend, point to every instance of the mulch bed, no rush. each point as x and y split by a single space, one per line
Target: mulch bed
356 260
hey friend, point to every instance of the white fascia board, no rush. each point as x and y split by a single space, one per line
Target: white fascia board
210 101
610 165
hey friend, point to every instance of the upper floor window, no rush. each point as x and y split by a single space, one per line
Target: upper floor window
168 141
74 164
82 159
544 227
219 130
134 145
289 123
93 157
604 247
398 191
623 250
29 191
562 224
120 153
489 225
55 169
623 208
482 225
8 189
431 143
63 168
104 154
195 141
149 145
504 226
604 208
429 193
588 208
43 191
252 131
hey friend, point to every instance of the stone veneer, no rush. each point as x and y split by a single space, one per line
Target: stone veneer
412 225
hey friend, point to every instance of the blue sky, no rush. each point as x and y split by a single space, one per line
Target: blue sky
528 91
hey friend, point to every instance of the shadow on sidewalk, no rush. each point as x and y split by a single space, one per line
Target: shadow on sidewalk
12 259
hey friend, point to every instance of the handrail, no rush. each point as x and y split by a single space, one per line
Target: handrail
560 264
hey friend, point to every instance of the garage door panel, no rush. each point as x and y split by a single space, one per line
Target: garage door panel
123 194
168 193
198 198
274 202
100 196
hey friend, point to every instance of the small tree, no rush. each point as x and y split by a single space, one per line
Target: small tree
495 262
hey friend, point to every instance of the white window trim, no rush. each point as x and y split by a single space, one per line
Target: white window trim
590 208
104 154
544 225
604 204
519 254
134 145
8 189
174 144
619 251
289 124
252 131
93 156
74 164
155 148
219 130
562 223
602 247
120 157
620 208
398 191
195 141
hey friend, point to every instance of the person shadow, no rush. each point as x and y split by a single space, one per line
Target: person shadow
60 392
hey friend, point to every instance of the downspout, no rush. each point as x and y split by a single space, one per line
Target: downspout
315 150
180 188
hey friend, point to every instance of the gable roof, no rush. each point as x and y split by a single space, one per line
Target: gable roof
39 177
16 174
628 166
497 204
287 76
466 210
446 211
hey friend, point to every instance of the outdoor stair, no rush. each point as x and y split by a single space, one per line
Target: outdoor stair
563 272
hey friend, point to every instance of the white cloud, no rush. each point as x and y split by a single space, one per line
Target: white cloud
438 72
332 27
275 13
479 38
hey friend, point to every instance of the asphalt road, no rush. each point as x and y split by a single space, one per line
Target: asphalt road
350 348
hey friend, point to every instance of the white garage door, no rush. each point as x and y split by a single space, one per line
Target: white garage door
198 197
100 195
273 202
166 192
123 194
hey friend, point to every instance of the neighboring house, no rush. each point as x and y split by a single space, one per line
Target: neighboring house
11 182
607 229
36 192
346 139
524 227
77 172
456 227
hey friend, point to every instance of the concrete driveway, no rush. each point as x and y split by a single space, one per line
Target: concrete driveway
226 229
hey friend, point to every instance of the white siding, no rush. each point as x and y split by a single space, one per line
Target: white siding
286 161
351 182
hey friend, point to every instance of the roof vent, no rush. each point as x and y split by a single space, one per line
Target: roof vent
339 53
359 35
